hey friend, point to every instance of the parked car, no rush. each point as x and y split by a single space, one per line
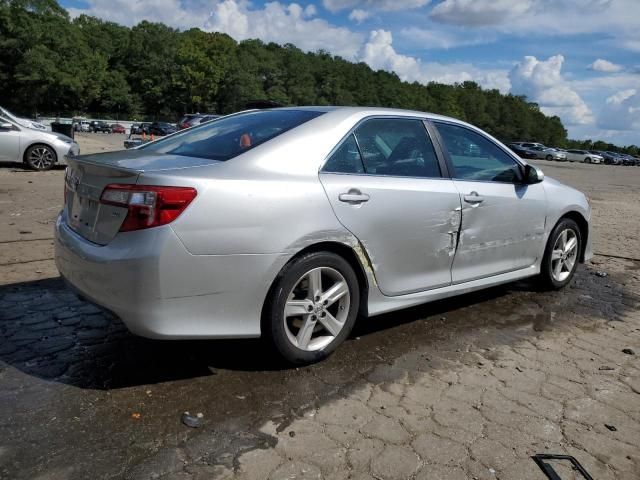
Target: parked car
96 126
162 128
25 122
521 151
144 127
117 128
528 144
193 119
85 126
290 223
549 154
628 160
39 149
608 158
583 156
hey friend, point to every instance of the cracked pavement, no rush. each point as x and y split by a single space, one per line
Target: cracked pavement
465 388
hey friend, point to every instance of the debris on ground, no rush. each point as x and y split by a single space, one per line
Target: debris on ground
193 421
601 274
136 415
606 367
611 427
628 351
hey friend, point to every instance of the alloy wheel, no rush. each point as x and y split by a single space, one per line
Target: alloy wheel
564 255
41 158
317 308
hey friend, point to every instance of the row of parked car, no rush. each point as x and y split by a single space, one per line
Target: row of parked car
97 126
533 150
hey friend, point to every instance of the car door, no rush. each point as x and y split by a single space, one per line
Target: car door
503 220
386 185
9 143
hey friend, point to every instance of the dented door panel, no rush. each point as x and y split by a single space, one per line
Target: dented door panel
501 233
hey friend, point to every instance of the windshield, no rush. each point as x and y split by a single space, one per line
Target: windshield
230 136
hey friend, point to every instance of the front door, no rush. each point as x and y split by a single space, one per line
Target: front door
385 185
9 143
503 220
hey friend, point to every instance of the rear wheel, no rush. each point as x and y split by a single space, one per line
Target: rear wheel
312 307
40 157
561 255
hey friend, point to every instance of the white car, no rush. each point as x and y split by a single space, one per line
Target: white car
39 149
25 122
583 156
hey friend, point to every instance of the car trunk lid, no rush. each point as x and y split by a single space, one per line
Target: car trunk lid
84 183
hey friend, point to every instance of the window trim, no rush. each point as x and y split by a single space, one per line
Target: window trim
445 153
442 165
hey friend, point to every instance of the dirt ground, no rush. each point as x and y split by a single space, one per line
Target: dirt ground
465 388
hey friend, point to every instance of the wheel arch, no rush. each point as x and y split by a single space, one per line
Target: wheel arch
35 144
350 254
583 225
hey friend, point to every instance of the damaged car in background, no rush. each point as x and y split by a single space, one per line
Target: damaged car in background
291 223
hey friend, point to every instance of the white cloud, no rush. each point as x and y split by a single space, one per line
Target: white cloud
379 53
542 82
621 111
358 15
171 12
617 20
479 12
602 65
383 5
439 38
281 23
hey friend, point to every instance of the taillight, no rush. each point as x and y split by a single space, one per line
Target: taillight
148 205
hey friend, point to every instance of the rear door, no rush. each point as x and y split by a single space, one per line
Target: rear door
386 186
503 219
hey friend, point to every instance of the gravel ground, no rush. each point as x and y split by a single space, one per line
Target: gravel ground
470 387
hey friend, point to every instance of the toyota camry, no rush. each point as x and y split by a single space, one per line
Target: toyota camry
291 223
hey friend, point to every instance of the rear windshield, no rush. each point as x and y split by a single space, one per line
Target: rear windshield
230 136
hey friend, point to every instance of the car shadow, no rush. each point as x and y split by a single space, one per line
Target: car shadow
21 167
48 333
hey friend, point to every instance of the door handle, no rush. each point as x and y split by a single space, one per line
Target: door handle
473 198
353 196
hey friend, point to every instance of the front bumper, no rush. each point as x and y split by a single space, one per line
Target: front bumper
159 290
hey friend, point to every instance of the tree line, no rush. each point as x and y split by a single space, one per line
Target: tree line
53 65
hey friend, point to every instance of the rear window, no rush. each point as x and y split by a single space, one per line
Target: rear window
230 136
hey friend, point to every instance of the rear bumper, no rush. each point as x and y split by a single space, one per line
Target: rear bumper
159 290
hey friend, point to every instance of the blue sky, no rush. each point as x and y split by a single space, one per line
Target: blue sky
578 59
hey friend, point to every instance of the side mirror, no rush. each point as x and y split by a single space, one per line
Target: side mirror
532 175
6 126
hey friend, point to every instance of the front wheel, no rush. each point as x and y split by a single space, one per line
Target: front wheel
40 157
312 307
549 157
587 160
561 255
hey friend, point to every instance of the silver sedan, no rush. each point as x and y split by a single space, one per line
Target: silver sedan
291 223
38 149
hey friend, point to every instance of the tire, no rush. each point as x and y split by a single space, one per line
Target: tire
40 157
300 336
587 160
549 157
553 277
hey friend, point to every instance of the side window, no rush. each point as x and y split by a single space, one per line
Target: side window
397 147
346 159
475 157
